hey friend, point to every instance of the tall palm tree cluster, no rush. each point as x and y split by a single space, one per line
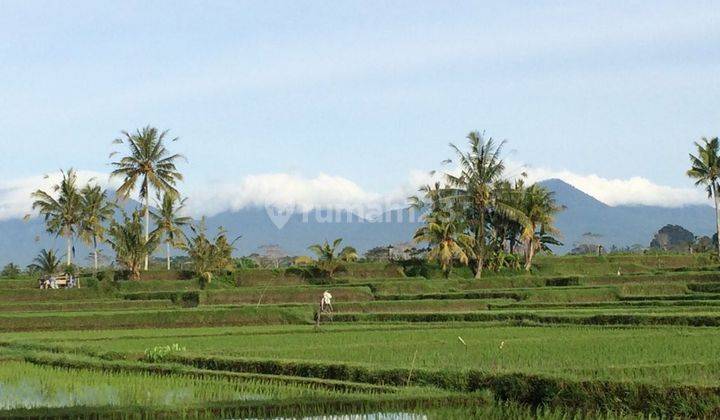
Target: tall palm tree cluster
86 212
70 210
476 216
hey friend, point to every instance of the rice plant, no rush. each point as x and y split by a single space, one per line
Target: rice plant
24 385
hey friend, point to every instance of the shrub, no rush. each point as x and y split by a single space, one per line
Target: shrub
414 267
10 270
105 276
160 353
89 282
562 281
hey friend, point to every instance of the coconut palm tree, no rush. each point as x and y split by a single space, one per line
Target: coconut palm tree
148 164
540 208
705 170
348 254
130 244
435 199
507 232
46 262
447 242
169 223
62 209
96 211
328 257
481 169
209 256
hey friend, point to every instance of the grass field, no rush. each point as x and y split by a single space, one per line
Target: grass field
576 352
572 339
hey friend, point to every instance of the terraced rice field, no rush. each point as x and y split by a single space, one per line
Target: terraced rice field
557 343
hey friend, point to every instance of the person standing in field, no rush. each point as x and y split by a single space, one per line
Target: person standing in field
325 307
326 302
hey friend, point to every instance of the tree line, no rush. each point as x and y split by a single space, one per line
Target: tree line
86 212
476 215
146 167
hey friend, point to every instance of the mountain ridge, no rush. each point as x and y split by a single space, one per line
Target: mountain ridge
622 226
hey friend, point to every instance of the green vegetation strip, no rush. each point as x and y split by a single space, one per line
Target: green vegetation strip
698 296
533 390
610 305
319 407
76 361
459 295
154 388
292 294
173 318
37 295
599 319
85 305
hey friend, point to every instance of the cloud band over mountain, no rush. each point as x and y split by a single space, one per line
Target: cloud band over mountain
323 191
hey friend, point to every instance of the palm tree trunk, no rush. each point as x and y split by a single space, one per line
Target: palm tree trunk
95 254
147 227
167 254
480 246
478 267
529 254
713 189
69 250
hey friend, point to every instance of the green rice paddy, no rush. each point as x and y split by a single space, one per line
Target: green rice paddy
562 343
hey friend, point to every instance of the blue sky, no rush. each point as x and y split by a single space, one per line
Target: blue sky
366 93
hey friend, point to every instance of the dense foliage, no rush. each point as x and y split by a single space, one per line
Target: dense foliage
476 216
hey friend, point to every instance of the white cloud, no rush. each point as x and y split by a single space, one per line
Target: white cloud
280 190
285 190
611 191
614 192
15 199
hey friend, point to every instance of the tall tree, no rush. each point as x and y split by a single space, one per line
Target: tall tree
62 209
476 188
705 170
169 223
148 164
97 210
540 207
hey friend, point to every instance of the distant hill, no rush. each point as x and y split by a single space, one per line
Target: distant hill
302 230
20 241
621 226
